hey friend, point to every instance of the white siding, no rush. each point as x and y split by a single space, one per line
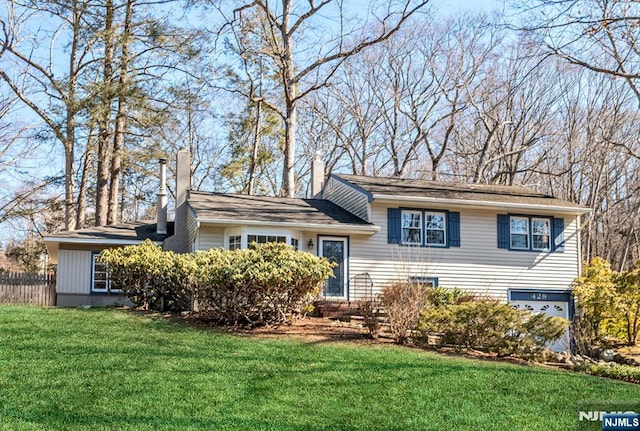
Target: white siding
347 197
210 237
476 265
74 271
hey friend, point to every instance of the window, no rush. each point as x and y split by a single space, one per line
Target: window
238 238
235 242
435 228
412 227
520 233
423 227
531 233
424 281
100 282
540 232
263 239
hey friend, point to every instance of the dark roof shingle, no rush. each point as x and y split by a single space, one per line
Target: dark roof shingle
377 186
217 206
133 231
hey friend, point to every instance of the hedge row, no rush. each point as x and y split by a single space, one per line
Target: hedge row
265 284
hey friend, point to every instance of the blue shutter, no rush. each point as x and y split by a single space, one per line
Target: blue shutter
394 227
504 232
453 227
557 232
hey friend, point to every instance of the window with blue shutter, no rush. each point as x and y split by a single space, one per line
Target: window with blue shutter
394 228
435 228
504 236
453 224
530 233
558 235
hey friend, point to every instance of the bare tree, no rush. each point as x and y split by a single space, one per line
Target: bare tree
286 24
40 79
600 35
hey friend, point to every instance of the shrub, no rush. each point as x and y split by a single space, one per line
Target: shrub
491 326
614 371
439 295
403 303
372 311
628 288
597 297
151 277
265 284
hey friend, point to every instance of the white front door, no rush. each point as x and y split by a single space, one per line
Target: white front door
334 249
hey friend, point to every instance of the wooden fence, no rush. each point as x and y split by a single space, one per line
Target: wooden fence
25 288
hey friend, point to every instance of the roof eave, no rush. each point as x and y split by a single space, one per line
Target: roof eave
72 240
52 243
485 204
354 228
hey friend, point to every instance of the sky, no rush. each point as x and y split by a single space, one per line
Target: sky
453 6
51 162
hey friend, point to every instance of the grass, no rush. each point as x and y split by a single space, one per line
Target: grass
109 369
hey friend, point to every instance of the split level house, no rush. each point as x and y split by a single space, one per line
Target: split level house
507 242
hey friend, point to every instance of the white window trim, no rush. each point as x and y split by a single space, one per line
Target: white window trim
245 231
228 241
107 289
527 234
420 228
444 229
548 221
428 280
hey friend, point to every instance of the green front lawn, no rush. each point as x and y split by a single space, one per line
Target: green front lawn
109 369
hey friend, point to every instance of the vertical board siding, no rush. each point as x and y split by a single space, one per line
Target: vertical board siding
74 271
210 237
192 226
347 197
477 265
32 289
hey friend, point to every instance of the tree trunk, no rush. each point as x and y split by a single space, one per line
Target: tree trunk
291 114
251 189
84 179
121 117
104 120
69 222
70 132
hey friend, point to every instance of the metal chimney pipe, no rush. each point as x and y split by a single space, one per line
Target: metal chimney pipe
161 215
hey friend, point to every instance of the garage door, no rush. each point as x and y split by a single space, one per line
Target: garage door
551 303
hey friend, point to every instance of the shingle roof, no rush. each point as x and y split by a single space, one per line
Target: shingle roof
219 207
133 231
385 187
